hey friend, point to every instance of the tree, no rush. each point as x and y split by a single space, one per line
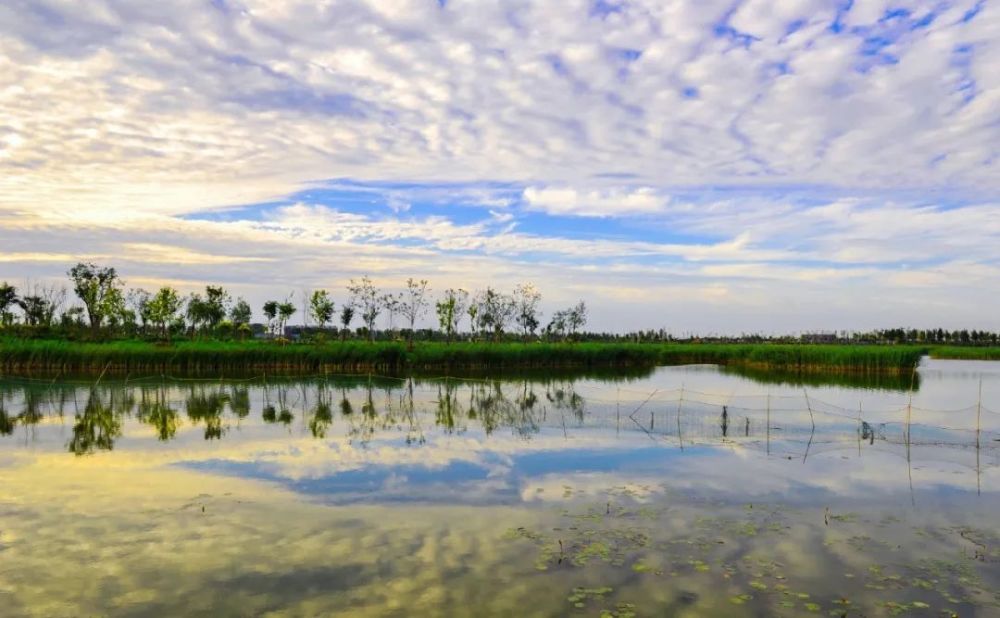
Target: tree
495 311
450 309
526 299
557 325
321 307
240 313
392 303
414 304
366 295
8 298
100 291
576 318
197 311
161 310
41 304
473 312
346 315
216 305
137 300
271 313
285 311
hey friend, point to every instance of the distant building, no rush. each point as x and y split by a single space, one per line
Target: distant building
819 338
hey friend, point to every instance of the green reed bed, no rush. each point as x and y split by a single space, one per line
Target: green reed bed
19 355
799 358
966 353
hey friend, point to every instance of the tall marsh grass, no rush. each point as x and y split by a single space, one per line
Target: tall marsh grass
19 355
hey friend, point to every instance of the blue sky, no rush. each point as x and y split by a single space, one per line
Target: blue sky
698 166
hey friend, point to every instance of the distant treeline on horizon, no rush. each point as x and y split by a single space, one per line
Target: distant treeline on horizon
106 309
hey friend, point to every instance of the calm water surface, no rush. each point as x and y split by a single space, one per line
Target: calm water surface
688 491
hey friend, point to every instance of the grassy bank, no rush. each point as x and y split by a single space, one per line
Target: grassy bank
215 357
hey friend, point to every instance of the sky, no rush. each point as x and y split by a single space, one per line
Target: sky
698 166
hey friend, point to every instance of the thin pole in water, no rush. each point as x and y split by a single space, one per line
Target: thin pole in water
769 421
859 428
618 412
909 416
813 421
680 402
979 412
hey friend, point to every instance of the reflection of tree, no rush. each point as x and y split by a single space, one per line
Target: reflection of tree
363 428
563 397
7 424
322 414
448 409
96 428
204 405
494 409
239 401
414 432
155 411
281 413
32 413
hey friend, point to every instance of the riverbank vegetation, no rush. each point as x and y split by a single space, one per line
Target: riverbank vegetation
113 328
232 357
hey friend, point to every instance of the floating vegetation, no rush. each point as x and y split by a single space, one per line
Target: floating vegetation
607 537
581 596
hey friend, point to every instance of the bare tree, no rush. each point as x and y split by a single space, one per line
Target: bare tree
414 304
526 298
367 297
393 304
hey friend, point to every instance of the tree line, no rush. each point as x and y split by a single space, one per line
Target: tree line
107 308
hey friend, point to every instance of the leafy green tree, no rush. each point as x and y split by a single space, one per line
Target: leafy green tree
285 311
346 315
450 310
216 305
36 310
413 304
162 309
321 307
100 291
496 310
8 298
271 314
240 313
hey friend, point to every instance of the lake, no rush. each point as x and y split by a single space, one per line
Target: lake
687 491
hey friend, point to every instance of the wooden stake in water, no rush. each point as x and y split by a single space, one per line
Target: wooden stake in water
680 402
909 415
768 422
859 428
812 419
979 412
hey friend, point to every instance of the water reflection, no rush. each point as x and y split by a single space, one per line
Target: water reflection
688 491
696 409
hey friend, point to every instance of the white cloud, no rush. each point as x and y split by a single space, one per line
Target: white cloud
604 203
119 122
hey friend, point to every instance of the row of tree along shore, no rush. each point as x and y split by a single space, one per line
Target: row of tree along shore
112 327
